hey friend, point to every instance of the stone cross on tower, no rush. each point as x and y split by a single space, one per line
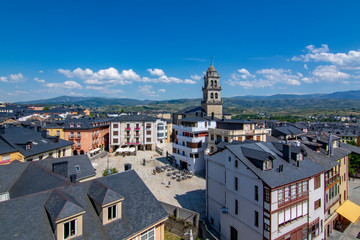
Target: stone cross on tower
212 103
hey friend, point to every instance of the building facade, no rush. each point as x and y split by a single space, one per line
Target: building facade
136 131
261 191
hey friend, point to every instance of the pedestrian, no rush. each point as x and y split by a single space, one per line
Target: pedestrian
163 181
169 183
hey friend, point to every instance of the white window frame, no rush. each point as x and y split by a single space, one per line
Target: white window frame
75 233
145 236
111 211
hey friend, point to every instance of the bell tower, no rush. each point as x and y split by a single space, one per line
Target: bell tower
212 102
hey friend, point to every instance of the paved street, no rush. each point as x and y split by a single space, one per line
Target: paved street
189 193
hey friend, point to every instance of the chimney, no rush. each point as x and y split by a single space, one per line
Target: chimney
212 116
287 152
73 178
2 129
43 133
330 145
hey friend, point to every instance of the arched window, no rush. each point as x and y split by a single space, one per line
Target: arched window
216 95
215 83
211 95
212 83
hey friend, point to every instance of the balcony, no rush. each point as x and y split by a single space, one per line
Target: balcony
77 146
71 137
132 143
78 136
332 179
137 129
127 129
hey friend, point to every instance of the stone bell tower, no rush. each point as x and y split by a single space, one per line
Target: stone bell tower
212 102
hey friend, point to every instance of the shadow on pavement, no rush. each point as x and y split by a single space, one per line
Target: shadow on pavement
193 200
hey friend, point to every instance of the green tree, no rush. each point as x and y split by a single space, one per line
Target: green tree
122 110
46 109
112 171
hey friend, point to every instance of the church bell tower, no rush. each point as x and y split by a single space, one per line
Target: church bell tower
212 102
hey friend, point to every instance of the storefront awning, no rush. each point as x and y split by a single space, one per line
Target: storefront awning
350 211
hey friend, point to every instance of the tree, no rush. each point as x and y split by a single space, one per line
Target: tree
112 171
46 109
122 110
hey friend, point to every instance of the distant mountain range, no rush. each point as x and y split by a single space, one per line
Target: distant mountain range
280 98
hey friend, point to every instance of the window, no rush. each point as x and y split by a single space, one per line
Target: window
70 229
5 158
77 168
212 137
116 133
148 139
57 132
317 183
40 157
216 95
28 146
256 193
211 95
317 204
236 207
112 213
229 159
315 230
78 135
256 219
149 235
148 132
236 182
115 125
115 140
236 163
267 195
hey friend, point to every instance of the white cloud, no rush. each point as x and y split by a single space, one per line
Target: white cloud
156 72
103 76
114 77
39 80
329 73
40 71
16 93
65 85
264 78
13 78
195 77
162 90
189 81
147 90
350 60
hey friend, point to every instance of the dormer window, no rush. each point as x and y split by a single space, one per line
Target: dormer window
112 212
299 157
71 125
28 146
267 165
78 125
70 229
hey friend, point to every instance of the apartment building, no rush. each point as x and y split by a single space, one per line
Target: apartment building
161 131
135 131
87 134
191 138
229 130
262 191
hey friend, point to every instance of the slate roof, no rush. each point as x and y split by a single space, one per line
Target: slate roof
321 158
140 210
273 177
353 149
61 205
85 123
195 119
288 130
18 136
83 163
134 118
5 147
23 178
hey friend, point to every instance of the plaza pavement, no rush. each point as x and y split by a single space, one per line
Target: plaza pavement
189 193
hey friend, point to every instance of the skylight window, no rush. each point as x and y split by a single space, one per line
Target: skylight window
77 168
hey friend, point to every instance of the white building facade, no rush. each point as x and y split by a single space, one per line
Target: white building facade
190 142
254 193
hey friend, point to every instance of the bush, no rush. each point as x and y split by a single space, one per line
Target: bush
112 171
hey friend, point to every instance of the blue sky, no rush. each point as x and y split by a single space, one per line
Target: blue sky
161 49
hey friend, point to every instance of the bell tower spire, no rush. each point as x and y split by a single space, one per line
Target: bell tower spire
212 102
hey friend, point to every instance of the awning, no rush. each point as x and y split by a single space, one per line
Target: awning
350 211
126 149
